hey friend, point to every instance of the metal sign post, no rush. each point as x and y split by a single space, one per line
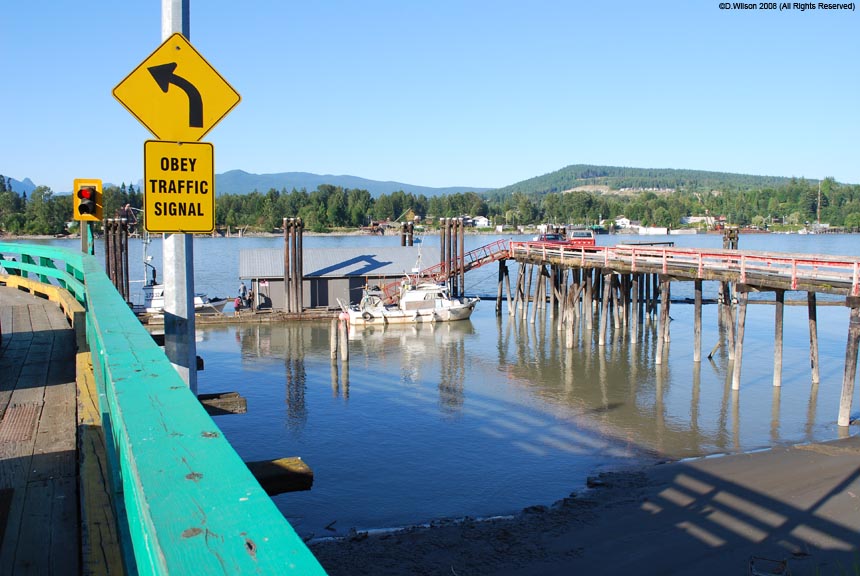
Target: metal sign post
178 250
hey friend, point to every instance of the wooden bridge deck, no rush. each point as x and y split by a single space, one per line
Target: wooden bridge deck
51 448
39 520
762 270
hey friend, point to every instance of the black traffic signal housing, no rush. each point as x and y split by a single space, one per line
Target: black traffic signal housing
87 201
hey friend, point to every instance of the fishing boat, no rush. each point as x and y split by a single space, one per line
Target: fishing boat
418 302
153 302
152 293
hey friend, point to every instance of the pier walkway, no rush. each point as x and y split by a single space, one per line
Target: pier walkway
134 477
39 520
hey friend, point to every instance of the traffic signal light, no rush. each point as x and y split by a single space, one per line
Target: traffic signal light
88 200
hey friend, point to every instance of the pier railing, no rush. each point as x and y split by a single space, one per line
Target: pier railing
186 503
767 270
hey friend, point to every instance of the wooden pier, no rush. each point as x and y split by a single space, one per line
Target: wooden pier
134 476
590 287
55 508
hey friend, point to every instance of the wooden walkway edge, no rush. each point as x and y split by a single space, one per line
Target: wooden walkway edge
55 513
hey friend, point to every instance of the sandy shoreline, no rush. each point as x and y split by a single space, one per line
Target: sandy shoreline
799 505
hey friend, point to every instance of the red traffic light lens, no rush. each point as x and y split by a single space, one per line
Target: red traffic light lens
85 193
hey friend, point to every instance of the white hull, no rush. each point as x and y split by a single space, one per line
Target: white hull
396 316
153 302
419 304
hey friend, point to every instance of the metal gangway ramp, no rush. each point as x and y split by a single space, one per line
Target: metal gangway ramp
441 272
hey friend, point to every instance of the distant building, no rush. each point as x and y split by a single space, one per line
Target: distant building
481 222
622 222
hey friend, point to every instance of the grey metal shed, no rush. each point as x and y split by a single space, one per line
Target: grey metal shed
329 274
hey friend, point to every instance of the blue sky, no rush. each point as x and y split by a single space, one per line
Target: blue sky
446 92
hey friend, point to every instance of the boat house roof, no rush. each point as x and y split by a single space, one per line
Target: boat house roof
333 262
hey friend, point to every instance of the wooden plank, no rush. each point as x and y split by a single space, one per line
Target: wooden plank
222 403
282 475
100 542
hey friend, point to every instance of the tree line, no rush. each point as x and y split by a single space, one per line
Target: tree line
332 207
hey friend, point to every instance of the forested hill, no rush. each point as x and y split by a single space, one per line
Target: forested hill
241 182
619 178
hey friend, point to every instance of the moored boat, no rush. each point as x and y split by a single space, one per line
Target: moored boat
418 302
151 298
153 302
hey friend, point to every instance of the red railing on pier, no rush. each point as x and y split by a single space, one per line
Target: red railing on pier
492 252
830 274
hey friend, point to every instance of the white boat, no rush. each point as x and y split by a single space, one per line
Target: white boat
153 293
153 302
418 302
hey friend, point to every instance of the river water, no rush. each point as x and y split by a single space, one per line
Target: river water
487 416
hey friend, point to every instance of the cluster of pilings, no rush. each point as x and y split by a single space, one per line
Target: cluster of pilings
116 254
589 298
407 233
293 274
452 256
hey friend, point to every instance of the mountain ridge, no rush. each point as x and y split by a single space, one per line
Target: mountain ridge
565 179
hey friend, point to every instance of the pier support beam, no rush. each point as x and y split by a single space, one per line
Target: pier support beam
813 337
604 313
634 329
664 319
739 343
777 338
850 362
697 322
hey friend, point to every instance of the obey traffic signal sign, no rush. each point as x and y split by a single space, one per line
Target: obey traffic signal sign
179 187
87 201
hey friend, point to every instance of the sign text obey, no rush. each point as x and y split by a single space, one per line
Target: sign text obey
179 187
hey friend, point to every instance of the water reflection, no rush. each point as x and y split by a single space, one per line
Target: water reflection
417 346
516 412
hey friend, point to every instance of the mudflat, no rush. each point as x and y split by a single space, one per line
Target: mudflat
794 509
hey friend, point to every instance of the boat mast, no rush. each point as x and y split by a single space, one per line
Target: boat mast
818 205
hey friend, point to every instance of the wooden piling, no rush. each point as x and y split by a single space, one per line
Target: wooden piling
664 319
502 273
588 306
697 322
850 370
344 342
333 341
604 312
777 337
739 343
813 336
634 330
528 294
729 319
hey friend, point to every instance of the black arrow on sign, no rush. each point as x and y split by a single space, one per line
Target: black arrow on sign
164 76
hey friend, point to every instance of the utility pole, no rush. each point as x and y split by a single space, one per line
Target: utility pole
178 249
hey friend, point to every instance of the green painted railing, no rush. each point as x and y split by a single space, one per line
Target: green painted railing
189 505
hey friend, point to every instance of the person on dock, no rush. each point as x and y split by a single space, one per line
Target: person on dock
127 212
237 306
243 293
